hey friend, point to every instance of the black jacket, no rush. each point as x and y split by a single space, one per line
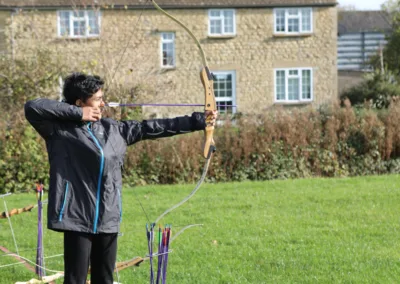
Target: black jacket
86 160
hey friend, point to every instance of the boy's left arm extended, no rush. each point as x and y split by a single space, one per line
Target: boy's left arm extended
134 131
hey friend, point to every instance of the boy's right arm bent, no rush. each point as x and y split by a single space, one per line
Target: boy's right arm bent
43 113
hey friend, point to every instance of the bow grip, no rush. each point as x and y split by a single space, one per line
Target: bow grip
210 104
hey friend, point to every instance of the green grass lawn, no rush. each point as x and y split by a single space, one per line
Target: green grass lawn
294 231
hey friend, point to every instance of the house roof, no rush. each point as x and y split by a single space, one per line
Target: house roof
43 4
363 21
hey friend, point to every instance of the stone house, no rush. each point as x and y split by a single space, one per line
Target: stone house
361 35
262 52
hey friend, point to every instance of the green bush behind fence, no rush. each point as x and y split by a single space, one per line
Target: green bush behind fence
280 144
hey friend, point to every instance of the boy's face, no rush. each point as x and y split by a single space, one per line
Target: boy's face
95 101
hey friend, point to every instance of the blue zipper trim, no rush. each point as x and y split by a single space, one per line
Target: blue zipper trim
96 218
63 204
120 205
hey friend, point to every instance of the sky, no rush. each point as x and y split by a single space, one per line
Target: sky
363 4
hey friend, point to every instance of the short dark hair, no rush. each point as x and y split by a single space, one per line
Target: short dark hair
81 86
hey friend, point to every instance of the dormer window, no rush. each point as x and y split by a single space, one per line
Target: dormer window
79 23
221 22
293 21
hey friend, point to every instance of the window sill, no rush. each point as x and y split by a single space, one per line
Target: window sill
293 103
221 36
278 35
167 68
60 38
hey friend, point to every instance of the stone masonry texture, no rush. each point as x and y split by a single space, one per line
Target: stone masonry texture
253 53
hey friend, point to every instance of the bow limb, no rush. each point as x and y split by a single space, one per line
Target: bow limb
207 80
184 229
203 56
210 105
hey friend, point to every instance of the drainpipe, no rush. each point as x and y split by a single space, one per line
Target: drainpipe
12 33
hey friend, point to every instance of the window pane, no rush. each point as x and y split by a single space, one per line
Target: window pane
215 26
79 14
280 85
306 84
293 72
228 14
293 89
224 107
293 12
223 92
215 13
306 20
228 25
293 25
168 54
167 36
93 24
64 23
168 49
280 20
79 28
221 83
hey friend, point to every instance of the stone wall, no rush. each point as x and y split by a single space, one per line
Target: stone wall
253 53
5 18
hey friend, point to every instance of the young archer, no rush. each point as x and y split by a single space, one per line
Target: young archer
86 153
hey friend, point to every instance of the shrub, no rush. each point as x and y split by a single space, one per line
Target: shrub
377 90
330 142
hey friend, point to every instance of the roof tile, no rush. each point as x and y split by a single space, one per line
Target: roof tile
363 21
164 3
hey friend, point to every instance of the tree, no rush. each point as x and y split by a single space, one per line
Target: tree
378 90
391 52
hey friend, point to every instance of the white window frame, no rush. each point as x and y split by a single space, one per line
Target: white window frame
71 23
162 41
233 97
222 18
300 76
287 17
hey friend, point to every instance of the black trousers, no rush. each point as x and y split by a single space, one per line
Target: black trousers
97 250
